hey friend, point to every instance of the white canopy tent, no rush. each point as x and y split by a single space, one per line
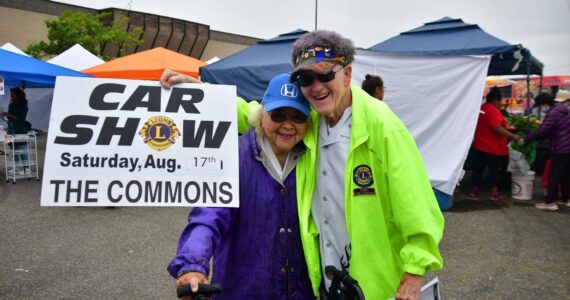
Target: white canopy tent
438 98
10 47
76 58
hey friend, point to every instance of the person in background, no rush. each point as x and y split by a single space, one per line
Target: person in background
374 86
16 117
556 127
540 108
365 201
490 145
257 247
542 147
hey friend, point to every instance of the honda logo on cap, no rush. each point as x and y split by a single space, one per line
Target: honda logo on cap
289 90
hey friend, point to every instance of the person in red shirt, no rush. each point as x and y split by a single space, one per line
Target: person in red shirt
490 145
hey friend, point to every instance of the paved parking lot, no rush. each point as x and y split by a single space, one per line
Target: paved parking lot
509 251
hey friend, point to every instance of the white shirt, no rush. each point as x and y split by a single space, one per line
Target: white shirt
328 198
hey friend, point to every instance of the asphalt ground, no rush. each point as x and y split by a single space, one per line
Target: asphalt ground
491 251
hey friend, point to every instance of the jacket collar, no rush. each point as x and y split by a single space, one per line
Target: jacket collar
258 154
253 145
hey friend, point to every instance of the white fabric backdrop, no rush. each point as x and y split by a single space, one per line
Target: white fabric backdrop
438 98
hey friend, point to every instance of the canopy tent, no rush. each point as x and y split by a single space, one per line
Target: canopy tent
448 36
10 47
23 71
435 97
252 68
147 65
440 105
76 58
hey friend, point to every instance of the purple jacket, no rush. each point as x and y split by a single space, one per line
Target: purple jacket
556 127
256 247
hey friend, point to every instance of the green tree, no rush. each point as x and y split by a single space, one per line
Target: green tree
87 30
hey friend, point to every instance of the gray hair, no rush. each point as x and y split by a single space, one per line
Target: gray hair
326 39
254 119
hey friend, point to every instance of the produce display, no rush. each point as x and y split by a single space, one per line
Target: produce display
523 125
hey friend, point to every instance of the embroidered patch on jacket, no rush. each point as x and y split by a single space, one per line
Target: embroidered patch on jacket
362 176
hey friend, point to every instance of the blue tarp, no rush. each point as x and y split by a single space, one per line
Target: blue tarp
23 71
252 68
449 36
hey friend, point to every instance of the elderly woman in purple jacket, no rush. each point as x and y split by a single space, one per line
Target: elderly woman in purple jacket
556 127
256 248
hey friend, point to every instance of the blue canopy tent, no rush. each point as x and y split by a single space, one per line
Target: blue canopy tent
252 68
453 37
28 72
448 36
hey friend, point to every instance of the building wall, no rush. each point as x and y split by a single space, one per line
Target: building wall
222 44
22 28
22 23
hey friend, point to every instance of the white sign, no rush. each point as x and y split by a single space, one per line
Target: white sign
134 143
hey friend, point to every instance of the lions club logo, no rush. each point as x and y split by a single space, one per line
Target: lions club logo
362 176
159 132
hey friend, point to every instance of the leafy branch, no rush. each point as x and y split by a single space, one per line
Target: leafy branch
87 30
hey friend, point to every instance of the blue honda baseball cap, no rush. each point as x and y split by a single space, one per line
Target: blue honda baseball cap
282 93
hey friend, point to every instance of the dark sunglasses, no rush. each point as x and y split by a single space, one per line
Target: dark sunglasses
307 78
280 117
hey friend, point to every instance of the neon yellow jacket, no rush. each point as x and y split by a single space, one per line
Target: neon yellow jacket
395 230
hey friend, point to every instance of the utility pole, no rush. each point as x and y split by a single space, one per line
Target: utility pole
316 9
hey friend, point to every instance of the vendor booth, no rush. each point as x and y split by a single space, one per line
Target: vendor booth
27 72
434 77
75 58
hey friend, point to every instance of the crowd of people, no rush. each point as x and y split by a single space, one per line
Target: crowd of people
556 128
490 147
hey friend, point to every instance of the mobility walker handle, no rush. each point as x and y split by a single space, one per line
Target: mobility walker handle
204 291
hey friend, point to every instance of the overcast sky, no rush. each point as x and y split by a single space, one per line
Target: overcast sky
543 26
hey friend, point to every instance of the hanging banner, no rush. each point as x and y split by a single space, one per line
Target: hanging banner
134 143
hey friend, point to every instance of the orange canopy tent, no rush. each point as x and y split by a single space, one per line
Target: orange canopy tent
147 65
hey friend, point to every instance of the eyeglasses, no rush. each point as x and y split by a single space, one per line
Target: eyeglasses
306 79
280 117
